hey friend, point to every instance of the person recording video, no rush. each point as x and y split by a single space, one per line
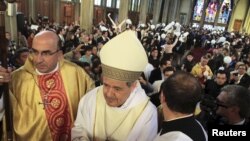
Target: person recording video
235 109
231 107
240 76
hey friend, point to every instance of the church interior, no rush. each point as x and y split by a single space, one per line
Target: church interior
208 38
225 15
176 27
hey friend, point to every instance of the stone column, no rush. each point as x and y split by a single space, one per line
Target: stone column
77 11
86 17
56 11
229 27
11 21
123 11
156 11
177 10
32 11
173 11
143 11
246 26
104 3
165 11
190 13
3 40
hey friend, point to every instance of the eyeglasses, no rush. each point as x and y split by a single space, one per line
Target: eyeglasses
45 53
222 104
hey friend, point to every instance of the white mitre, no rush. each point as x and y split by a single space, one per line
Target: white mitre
123 57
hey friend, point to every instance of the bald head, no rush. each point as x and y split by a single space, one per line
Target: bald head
49 37
46 51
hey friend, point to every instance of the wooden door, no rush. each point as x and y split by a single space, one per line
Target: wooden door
22 6
98 15
45 9
67 13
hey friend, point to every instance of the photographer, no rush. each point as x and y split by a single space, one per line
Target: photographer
231 107
236 105
240 76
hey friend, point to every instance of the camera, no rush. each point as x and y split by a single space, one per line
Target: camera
235 73
209 105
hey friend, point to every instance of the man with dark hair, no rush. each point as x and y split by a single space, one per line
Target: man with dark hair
157 74
236 102
180 94
104 38
154 97
188 62
243 78
213 87
168 71
61 33
20 57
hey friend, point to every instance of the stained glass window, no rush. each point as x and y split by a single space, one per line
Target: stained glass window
225 11
198 9
211 11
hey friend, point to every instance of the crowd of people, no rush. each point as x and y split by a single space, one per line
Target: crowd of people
126 83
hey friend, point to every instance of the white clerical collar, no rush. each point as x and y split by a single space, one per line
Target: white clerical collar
241 122
180 117
40 73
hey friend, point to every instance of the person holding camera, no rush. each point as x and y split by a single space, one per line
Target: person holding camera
240 76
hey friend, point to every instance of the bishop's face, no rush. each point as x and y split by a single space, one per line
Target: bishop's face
116 92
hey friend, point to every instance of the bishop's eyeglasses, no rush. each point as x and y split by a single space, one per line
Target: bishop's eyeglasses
46 53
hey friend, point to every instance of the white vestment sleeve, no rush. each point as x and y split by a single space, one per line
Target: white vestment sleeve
146 127
83 126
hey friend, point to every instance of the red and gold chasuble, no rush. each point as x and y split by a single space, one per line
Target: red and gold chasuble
56 106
